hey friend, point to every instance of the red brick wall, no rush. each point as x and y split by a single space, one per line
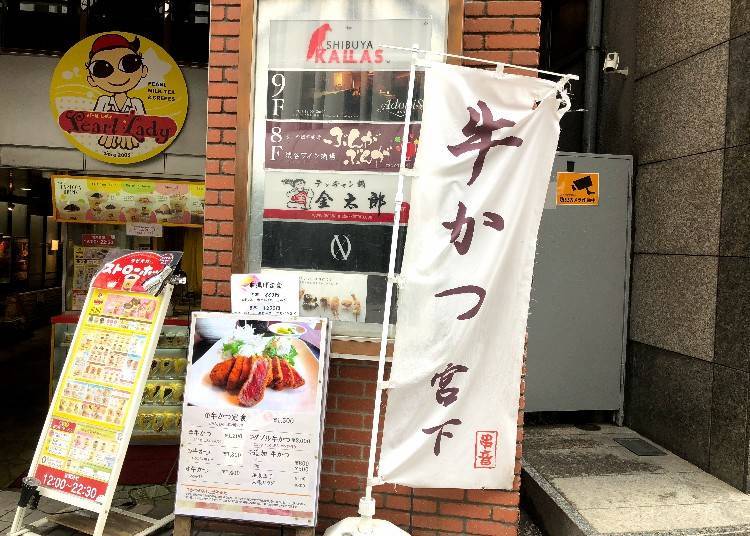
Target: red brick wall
505 31
499 30
422 512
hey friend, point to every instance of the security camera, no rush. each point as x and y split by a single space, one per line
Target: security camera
612 64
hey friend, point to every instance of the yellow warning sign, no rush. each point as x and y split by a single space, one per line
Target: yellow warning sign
577 188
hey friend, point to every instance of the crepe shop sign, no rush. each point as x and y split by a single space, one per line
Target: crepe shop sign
140 127
133 272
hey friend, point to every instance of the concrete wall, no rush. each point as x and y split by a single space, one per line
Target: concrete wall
30 137
688 370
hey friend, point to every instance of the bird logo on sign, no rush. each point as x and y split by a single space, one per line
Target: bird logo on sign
317 39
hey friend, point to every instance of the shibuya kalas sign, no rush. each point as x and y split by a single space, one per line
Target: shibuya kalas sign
119 98
344 43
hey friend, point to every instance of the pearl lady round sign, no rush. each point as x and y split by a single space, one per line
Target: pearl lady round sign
119 97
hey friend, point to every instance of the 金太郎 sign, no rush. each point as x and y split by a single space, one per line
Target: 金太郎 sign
118 97
362 198
121 201
581 189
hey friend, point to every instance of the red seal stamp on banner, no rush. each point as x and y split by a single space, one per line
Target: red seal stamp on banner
485 449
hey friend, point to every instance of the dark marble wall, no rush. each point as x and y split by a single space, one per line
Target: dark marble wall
688 371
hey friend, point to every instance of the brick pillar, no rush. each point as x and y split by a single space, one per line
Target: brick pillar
498 30
221 136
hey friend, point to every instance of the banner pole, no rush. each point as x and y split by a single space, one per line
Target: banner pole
367 504
482 60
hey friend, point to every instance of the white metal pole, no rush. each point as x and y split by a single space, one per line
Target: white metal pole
482 60
367 504
17 520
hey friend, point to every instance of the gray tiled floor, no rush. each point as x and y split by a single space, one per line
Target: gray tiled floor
154 501
612 490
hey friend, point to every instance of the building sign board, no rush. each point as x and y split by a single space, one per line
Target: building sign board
118 97
319 197
345 95
343 247
81 199
340 44
330 146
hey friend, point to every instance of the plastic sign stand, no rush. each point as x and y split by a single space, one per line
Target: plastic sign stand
363 526
85 437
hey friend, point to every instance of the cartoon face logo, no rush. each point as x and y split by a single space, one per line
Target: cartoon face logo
299 196
115 64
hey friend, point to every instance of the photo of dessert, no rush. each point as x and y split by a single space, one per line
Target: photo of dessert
163 214
111 212
72 212
95 200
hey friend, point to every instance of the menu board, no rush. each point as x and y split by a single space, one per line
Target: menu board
119 201
335 106
266 295
86 262
98 392
93 410
252 420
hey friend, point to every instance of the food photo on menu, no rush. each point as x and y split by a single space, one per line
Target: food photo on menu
262 364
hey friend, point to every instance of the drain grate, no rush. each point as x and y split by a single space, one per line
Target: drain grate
639 447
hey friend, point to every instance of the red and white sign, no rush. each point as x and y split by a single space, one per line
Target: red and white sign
88 488
135 272
98 240
331 197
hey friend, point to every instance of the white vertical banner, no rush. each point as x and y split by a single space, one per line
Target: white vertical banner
486 150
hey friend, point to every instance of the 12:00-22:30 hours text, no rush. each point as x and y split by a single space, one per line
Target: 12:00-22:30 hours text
70 486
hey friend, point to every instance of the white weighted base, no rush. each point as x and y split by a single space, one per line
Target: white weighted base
364 526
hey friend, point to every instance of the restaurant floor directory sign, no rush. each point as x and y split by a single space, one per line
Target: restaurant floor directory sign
252 421
88 427
329 143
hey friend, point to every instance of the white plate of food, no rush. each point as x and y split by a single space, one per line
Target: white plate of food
287 329
286 380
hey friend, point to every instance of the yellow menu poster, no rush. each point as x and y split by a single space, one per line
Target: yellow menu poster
96 394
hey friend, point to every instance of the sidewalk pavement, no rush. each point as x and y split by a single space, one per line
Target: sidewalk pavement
583 482
154 501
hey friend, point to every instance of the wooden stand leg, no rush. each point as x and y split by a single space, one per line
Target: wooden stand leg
183 526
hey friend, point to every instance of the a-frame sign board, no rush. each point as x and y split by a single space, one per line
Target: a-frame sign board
87 431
